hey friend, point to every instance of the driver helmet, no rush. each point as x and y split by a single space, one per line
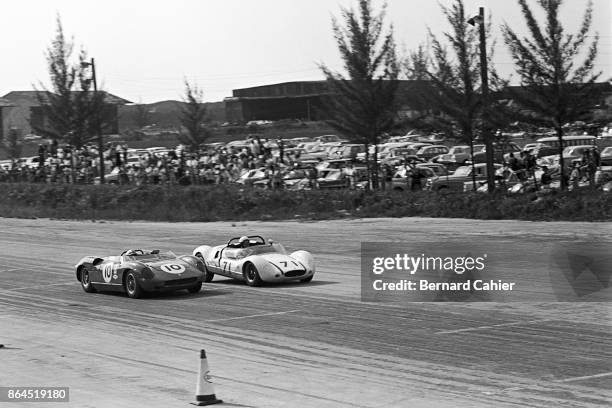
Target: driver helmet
244 241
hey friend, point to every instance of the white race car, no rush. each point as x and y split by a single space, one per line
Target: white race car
253 260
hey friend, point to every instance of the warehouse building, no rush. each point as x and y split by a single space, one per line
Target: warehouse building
293 100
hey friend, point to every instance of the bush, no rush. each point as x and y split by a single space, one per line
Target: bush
228 202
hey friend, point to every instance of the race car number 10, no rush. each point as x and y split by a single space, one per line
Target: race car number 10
107 272
173 268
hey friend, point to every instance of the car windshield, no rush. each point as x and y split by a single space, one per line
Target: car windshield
574 150
293 174
161 256
436 170
333 175
262 249
458 149
463 171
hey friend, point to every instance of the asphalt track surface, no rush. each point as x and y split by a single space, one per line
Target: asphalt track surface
295 345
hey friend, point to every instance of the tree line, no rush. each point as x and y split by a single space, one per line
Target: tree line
555 71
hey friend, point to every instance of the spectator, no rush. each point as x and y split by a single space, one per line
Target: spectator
349 171
312 177
546 178
575 176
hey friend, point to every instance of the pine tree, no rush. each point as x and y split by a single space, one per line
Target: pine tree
455 77
417 64
193 117
71 111
555 87
362 104
57 106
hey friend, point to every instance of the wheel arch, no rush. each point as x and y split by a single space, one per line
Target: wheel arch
79 271
124 274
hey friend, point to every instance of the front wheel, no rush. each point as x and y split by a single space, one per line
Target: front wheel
308 279
251 275
196 288
86 281
208 275
132 288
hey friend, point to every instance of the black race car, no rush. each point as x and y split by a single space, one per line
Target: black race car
137 271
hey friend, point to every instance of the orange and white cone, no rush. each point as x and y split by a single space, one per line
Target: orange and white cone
205 391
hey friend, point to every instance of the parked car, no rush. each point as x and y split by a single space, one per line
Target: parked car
397 155
429 152
606 156
6 164
31 138
294 142
571 154
542 150
401 181
347 151
249 177
456 180
112 177
457 155
433 138
327 139
337 178
500 152
438 168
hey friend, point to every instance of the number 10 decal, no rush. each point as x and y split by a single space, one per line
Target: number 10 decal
107 272
173 268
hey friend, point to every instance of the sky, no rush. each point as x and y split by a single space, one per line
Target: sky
144 50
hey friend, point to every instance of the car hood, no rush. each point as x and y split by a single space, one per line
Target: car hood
283 262
170 266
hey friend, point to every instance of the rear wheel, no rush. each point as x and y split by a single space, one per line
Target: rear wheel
208 275
251 275
196 288
132 288
86 281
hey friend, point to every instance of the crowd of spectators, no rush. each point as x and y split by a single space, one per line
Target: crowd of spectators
209 165
219 163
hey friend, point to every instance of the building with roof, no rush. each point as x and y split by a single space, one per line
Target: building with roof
296 100
23 111
288 100
304 100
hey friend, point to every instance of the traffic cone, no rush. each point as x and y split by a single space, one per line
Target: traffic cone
205 392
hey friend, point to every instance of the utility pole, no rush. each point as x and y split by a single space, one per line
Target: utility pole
484 79
98 119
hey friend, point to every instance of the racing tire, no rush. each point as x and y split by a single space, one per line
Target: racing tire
195 288
308 279
251 275
131 286
208 275
86 281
